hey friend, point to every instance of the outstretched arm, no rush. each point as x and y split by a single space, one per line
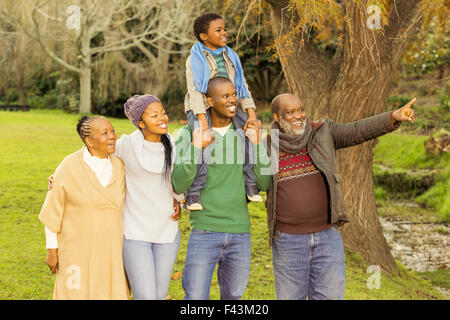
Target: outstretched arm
353 133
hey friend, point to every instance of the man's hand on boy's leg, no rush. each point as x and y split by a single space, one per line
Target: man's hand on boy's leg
253 131
203 120
202 137
251 117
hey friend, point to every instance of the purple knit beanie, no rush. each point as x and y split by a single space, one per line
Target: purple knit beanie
136 105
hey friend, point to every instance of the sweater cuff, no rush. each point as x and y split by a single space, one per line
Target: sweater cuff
51 239
394 123
247 103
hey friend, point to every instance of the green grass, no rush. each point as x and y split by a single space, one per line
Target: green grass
439 277
406 153
33 144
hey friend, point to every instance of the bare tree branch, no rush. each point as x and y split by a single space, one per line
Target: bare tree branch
404 19
51 54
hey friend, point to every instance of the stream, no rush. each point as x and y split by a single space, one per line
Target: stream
420 246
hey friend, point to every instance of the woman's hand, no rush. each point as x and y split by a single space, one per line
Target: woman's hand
177 209
52 260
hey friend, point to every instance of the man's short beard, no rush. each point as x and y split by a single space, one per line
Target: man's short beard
286 127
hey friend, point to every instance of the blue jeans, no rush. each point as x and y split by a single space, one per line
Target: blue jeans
309 265
205 250
202 168
149 267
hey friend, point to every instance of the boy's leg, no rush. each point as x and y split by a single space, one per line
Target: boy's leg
234 266
193 193
249 177
240 118
193 120
203 253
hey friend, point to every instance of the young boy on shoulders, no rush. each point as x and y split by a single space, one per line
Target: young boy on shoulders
210 57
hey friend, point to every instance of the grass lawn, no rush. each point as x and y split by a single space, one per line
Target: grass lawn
406 153
33 144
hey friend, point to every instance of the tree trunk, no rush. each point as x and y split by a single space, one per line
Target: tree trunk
19 80
20 88
85 75
362 94
17 66
353 85
85 91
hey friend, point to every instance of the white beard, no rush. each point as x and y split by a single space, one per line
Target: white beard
287 127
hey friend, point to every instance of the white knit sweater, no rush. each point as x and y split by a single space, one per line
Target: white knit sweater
149 198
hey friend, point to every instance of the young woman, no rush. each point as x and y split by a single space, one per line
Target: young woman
151 237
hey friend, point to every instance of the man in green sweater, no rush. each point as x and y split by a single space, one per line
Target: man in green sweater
221 231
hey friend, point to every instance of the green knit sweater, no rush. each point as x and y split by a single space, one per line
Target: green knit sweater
221 68
224 200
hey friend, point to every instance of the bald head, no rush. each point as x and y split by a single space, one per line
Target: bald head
215 83
287 111
284 100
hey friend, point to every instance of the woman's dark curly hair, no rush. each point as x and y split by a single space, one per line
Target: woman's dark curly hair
201 24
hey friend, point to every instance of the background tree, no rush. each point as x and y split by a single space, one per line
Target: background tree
429 51
348 80
83 26
12 49
154 65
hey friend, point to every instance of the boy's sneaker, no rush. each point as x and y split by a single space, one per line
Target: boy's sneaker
253 194
193 202
183 203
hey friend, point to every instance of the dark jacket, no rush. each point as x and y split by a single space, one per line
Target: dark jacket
328 136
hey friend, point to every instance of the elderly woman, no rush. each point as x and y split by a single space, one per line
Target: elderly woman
84 209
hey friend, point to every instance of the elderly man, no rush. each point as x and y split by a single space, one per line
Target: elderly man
304 201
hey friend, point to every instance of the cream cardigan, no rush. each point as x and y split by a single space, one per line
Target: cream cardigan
102 169
88 219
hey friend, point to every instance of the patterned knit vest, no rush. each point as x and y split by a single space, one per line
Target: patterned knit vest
302 200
